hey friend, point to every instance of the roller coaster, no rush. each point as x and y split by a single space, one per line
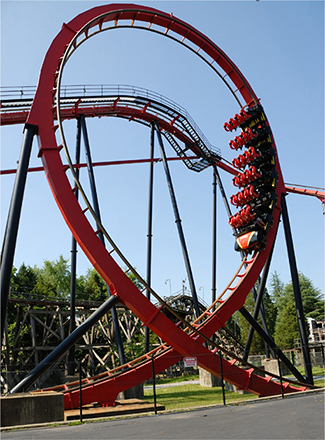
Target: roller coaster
259 201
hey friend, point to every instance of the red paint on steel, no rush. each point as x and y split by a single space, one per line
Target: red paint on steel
11 118
307 192
183 344
102 164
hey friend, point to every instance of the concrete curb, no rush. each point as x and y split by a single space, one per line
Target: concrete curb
129 416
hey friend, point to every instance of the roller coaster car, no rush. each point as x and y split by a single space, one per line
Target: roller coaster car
249 241
266 160
262 141
255 117
268 179
264 203
248 117
257 198
252 236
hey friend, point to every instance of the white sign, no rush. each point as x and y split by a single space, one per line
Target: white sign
190 362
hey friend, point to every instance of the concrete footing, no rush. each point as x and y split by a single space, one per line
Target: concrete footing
272 366
28 408
208 380
135 392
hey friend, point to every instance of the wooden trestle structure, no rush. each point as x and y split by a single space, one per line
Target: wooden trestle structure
42 323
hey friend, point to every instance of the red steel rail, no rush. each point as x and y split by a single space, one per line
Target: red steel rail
307 191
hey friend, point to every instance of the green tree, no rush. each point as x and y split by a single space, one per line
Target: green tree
286 329
22 281
319 313
94 287
270 312
258 345
53 278
13 286
25 279
312 300
276 291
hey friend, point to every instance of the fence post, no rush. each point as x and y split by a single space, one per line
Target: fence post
154 384
222 381
80 392
280 373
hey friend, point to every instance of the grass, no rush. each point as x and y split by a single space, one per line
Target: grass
317 371
319 382
192 395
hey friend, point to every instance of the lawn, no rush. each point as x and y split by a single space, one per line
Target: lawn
192 395
317 371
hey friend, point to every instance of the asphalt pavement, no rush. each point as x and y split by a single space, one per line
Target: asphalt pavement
295 417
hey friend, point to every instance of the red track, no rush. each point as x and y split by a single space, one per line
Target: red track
307 192
181 343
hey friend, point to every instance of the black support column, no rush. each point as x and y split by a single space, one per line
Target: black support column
271 344
10 237
214 237
257 307
118 337
149 233
178 223
71 355
297 292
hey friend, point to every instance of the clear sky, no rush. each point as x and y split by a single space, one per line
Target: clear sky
279 47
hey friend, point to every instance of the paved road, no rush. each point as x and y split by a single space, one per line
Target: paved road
295 417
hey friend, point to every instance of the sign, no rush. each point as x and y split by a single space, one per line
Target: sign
190 362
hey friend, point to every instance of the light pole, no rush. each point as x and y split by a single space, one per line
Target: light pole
170 286
202 288
184 286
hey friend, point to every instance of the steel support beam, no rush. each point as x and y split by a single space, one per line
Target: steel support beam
11 232
178 222
258 304
71 364
214 237
297 292
222 191
149 233
271 344
262 317
91 174
65 345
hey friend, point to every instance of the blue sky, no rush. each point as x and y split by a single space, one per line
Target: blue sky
279 47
